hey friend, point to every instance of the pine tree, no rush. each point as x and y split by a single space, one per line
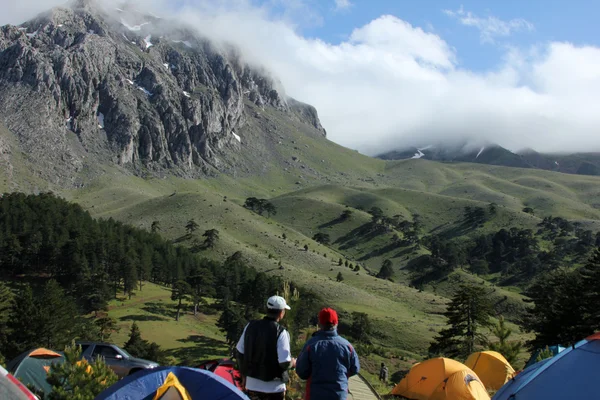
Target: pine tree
6 301
361 328
212 236
386 270
23 325
192 226
76 379
106 326
509 350
155 226
58 315
231 323
180 292
469 310
340 262
339 277
135 345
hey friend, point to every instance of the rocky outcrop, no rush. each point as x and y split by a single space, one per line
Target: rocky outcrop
81 85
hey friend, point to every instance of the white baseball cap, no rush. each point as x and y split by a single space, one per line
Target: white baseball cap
277 303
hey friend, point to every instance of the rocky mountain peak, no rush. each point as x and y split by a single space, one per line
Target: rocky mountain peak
81 85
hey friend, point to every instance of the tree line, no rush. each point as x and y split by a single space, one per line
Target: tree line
62 265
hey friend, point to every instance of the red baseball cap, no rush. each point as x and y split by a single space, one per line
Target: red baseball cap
328 316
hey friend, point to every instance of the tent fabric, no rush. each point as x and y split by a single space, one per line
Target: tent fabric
424 378
33 370
172 389
491 367
200 384
12 389
461 385
571 374
554 349
41 352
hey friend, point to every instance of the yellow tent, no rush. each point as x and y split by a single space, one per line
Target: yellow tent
491 367
436 376
461 385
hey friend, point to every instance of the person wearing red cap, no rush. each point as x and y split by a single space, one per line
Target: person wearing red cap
327 361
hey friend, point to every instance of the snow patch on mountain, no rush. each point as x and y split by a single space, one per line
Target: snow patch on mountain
419 154
480 151
100 117
186 94
236 137
134 28
148 42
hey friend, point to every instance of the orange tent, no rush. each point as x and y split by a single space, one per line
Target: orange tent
491 367
443 378
461 385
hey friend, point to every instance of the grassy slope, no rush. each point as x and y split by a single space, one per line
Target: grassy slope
310 192
189 340
438 192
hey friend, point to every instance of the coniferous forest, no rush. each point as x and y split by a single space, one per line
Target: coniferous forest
59 267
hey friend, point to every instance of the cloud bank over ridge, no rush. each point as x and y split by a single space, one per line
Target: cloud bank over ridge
390 84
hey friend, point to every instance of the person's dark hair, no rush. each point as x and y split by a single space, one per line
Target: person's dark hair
382 364
273 313
328 327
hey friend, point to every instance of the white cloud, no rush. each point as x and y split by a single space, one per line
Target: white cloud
490 27
391 84
342 4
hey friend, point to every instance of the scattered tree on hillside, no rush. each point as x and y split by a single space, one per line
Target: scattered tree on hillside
361 328
529 210
322 238
212 236
155 227
386 270
180 293
340 262
141 348
356 268
192 226
260 206
346 215
510 350
339 277
493 209
468 311
376 212
77 379
305 247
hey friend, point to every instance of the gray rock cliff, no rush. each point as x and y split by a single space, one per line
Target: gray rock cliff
81 86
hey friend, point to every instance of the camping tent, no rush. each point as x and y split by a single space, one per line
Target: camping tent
12 389
172 383
225 368
32 368
461 385
553 349
442 377
491 367
571 374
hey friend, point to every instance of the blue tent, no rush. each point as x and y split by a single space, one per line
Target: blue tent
571 374
553 349
199 384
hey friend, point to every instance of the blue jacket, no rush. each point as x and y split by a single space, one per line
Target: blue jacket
326 362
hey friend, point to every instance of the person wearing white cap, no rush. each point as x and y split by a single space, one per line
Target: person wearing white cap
264 353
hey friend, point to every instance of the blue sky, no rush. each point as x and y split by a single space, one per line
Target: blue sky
574 21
